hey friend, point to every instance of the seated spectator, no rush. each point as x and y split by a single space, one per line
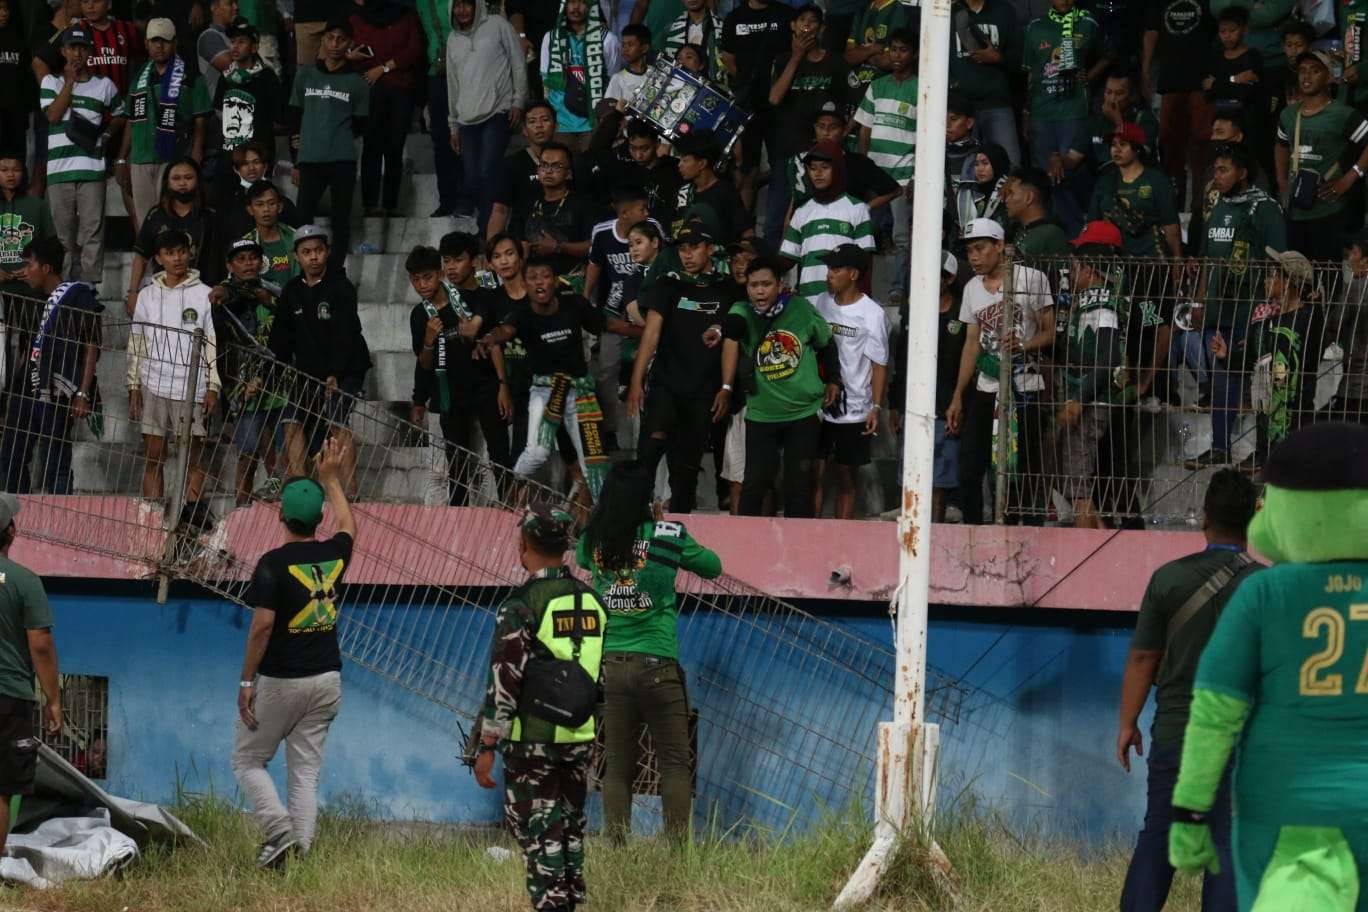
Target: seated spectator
56 387
245 307
1026 199
985 55
984 197
868 50
486 88
860 332
393 36
972 411
275 238
328 107
636 53
167 314
830 218
18 100
75 163
1089 155
1137 197
557 224
167 107
687 392
698 153
249 99
466 391
551 326
182 209
518 185
699 26
578 57
251 163
317 332
24 219
774 343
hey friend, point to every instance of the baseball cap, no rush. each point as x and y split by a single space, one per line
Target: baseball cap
810 8
828 109
846 256
693 232
9 508
161 28
1294 263
301 500
823 151
308 233
244 28
1321 57
984 228
170 238
1101 233
1131 133
77 34
547 525
242 244
950 265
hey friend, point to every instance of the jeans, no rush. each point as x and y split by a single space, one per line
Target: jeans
36 426
299 712
482 152
1048 137
1189 349
458 430
391 112
535 454
998 125
800 441
976 455
340 176
686 423
645 691
1150 875
447 162
1227 384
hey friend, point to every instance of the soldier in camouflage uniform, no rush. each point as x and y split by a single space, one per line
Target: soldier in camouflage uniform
545 766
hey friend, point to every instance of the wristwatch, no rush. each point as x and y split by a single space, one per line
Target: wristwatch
384 68
727 387
246 684
82 394
1357 170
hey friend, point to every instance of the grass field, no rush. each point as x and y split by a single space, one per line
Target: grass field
359 865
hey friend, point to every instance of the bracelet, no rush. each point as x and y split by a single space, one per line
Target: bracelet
246 684
82 394
120 161
727 387
1357 170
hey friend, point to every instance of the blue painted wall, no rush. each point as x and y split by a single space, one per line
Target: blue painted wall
1034 737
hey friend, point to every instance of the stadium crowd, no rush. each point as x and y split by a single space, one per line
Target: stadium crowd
1164 174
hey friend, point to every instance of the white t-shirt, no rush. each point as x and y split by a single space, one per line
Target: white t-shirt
624 85
983 309
861 333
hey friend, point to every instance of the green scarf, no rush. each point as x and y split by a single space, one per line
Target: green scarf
1066 21
589 417
239 74
594 66
678 36
463 313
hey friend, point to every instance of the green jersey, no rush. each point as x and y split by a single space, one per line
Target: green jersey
22 219
1043 238
278 263
782 350
1239 229
1293 643
23 607
145 111
873 25
1055 55
1330 141
1092 343
329 101
640 599
1141 208
889 110
818 228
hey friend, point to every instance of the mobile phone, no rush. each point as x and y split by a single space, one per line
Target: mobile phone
365 50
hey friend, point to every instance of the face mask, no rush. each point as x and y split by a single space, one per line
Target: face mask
184 196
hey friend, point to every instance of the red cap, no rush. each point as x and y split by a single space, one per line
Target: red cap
1100 232
1132 133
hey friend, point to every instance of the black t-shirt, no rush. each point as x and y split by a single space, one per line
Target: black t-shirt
814 84
555 342
610 254
1150 309
298 581
469 379
517 188
661 181
1186 31
725 202
202 225
568 220
683 364
755 37
1251 96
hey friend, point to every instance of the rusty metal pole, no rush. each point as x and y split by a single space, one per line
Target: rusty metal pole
1002 452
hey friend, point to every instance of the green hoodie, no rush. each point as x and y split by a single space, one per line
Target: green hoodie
437 26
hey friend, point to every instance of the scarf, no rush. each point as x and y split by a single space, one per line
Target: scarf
579 96
463 313
589 416
171 82
43 379
1066 21
678 36
238 74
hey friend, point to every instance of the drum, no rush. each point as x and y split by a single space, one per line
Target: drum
677 103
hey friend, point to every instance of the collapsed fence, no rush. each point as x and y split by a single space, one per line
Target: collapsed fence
1142 374
788 703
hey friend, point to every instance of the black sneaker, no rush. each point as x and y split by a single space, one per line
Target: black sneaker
1210 459
273 852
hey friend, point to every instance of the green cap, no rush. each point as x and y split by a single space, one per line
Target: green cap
302 500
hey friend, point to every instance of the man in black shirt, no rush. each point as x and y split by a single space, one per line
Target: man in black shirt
686 375
1177 44
551 326
557 223
658 175
291 683
698 152
465 390
753 34
317 330
518 186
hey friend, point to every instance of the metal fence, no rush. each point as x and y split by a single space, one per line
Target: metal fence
1156 372
788 702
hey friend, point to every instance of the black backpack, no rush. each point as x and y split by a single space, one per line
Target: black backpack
560 691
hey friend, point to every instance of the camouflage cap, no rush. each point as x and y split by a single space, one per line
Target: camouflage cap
547 525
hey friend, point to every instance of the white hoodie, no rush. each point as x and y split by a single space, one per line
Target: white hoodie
160 342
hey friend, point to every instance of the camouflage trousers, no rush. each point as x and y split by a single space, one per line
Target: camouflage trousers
545 786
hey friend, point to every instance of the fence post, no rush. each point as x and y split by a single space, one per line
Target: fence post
1006 392
174 482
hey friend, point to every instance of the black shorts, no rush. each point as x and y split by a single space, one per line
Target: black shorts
845 444
18 746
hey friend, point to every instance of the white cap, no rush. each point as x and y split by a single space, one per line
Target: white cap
984 228
164 29
950 265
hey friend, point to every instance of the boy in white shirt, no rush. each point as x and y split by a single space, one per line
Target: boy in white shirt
636 50
860 329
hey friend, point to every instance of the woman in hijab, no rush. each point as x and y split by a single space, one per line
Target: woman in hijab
983 197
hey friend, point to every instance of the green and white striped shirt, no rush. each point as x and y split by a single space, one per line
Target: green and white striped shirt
889 109
816 229
93 100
